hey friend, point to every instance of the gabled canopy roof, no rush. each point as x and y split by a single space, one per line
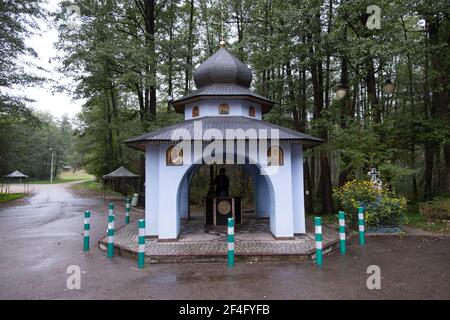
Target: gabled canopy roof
221 123
16 175
120 173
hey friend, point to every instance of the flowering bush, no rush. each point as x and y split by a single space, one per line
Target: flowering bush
381 207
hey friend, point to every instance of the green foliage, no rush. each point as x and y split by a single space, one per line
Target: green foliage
6 197
26 148
18 21
117 62
381 207
438 208
94 187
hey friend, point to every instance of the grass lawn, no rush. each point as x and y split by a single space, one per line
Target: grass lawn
419 221
429 216
66 177
11 196
94 186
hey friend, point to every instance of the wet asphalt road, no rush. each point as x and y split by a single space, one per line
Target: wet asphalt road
44 236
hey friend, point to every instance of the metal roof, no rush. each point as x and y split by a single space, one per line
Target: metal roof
16 175
224 91
120 172
221 123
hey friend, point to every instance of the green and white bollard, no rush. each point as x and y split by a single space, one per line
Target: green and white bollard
141 243
318 229
110 236
230 239
361 226
87 228
127 210
342 232
111 209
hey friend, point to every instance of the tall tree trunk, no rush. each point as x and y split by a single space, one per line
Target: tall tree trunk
237 4
205 18
170 58
372 92
440 83
149 18
325 185
188 68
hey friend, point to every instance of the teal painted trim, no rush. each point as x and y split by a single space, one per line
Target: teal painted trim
110 234
362 240
319 257
231 258
317 221
230 238
87 226
342 246
141 241
110 250
86 244
342 243
319 254
141 260
127 210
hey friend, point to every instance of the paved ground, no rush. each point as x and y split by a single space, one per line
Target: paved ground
42 237
253 241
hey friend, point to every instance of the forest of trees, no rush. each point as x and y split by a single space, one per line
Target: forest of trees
26 135
128 57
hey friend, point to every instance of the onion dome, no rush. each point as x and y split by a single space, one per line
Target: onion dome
222 76
222 68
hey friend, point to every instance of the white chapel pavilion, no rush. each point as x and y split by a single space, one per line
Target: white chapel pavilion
224 103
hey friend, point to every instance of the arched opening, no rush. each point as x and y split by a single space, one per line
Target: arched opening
258 201
241 184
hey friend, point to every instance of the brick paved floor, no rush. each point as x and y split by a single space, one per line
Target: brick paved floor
252 238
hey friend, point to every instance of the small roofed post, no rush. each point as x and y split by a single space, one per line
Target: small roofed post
121 178
17 175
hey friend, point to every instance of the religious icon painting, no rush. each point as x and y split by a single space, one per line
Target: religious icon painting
195 112
174 156
224 109
275 156
252 111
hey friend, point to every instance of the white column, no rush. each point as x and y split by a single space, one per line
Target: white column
262 195
281 217
151 190
169 186
298 202
184 197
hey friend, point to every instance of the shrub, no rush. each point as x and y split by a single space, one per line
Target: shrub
382 208
438 209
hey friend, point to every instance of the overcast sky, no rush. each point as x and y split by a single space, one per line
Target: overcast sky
47 100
